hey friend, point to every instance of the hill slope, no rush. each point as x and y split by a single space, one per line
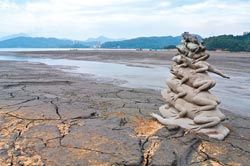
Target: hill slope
228 43
40 42
14 36
144 42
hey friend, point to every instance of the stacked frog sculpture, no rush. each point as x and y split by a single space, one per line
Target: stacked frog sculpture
190 105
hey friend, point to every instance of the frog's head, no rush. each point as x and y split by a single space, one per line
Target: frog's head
179 59
174 69
173 82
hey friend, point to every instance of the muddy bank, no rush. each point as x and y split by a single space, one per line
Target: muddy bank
48 117
239 61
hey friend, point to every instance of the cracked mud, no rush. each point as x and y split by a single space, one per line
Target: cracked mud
48 117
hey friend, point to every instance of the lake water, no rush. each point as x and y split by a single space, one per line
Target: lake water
53 49
234 93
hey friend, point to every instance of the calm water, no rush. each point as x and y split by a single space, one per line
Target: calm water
234 93
53 49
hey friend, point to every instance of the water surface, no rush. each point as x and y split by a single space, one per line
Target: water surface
53 49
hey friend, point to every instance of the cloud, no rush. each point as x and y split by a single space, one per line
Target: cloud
80 19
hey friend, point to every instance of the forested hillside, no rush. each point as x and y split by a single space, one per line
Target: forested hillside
228 43
144 42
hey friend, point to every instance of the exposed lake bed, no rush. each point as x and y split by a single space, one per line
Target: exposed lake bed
48 112
149 71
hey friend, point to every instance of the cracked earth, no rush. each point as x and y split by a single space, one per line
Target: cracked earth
48 117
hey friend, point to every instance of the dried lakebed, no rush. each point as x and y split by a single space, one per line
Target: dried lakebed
234 93
49 117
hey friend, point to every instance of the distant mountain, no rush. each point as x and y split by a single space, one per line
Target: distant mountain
91 44
22 41
229 42
14 36
144 42
40 42
102 39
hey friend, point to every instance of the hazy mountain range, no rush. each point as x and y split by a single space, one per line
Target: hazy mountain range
25 41
40 42
222 42
103 39
14 36
22 40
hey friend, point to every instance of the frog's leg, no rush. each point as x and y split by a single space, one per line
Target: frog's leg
203 85
207 103
200 67
206 122
218 72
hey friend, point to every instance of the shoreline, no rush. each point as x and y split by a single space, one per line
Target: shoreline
231 61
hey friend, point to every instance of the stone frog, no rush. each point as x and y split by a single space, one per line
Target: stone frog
193 51
196 48
182 49
205 118
187 37
200 66
204 98
199 81
198 56
172 99
218 132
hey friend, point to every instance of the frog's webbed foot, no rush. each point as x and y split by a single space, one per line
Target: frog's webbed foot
174 98
198 128
194 61
191 129
194 127
156 116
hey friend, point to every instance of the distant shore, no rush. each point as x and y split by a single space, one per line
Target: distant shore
222 59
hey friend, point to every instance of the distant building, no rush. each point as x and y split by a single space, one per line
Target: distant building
246 33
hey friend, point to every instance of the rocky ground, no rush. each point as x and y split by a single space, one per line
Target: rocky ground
48 117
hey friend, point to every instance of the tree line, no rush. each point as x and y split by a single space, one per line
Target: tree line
228 43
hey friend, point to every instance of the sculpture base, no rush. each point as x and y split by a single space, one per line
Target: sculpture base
169 118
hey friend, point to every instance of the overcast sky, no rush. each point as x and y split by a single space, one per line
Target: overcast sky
81 19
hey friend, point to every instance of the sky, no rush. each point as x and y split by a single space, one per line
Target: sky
81 19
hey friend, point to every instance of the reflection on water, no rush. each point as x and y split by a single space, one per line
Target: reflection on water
234 93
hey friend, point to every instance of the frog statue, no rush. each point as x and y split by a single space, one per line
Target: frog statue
189 104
